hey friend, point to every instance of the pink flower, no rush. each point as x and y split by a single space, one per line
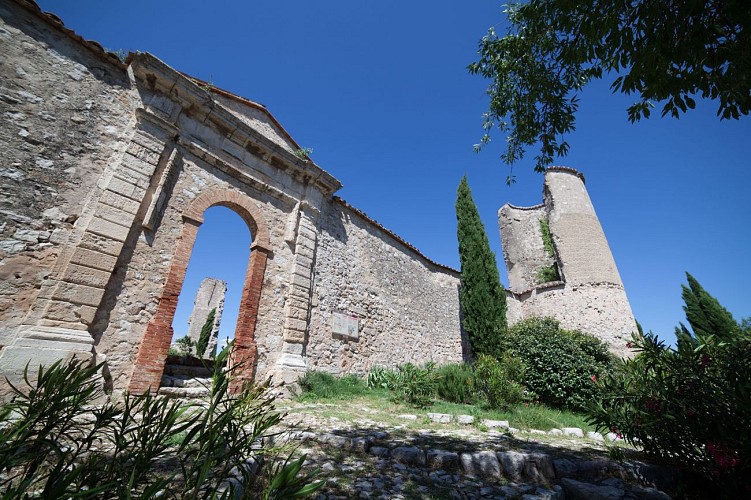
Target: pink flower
594 378
724 457
629 345
652 405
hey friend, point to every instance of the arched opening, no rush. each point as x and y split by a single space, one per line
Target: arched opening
209 302
154 348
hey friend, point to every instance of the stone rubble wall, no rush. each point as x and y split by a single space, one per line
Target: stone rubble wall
65 117
407 308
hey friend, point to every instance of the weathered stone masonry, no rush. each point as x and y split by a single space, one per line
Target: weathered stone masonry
107 171
590 294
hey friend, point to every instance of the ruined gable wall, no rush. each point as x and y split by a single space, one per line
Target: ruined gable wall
64 119
408 308
523 249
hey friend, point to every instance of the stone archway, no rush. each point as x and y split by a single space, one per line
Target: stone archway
154 347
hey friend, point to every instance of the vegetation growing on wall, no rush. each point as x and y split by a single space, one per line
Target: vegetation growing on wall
206 331
549 273
481 296
691 402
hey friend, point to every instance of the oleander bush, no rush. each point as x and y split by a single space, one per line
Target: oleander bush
692 402
57 440
560 366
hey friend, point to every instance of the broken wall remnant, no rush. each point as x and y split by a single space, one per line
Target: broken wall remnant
110 167
588 294
210 297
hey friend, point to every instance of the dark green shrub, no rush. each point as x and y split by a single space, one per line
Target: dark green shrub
497 383
323 385
559 365
455 383
690 403
185 346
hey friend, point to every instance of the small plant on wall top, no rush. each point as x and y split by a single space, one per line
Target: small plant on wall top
303 153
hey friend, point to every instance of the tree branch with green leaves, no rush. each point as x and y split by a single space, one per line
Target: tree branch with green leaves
664 52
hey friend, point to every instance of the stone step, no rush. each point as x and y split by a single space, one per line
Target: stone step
182 381
187 371
184 392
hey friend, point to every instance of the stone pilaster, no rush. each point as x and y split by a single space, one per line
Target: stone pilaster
292 362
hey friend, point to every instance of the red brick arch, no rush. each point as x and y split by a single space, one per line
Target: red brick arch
154 347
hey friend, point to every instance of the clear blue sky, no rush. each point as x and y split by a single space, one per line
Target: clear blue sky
381 93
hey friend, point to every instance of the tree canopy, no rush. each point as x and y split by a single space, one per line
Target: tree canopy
664 51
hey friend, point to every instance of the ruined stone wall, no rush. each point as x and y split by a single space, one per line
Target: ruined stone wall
65 114
407 308
589 295
107 172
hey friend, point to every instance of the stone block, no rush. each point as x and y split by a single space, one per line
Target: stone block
111 214
100 244
512 463
483 464
578 490
443 460
494 424
465 419
440 418
409 455
113 199
108 229
295 324
133 177
126 189
79 294
538 468
86 276
595 436
573 431
97 260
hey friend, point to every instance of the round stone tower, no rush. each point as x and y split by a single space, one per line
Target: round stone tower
582 288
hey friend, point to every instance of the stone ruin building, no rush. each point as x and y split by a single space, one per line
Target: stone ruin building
582 288
210 297
107 169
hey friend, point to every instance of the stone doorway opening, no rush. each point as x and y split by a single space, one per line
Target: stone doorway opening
154 349
209 302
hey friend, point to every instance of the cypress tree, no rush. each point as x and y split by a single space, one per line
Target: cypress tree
206 329
481 295
704 313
